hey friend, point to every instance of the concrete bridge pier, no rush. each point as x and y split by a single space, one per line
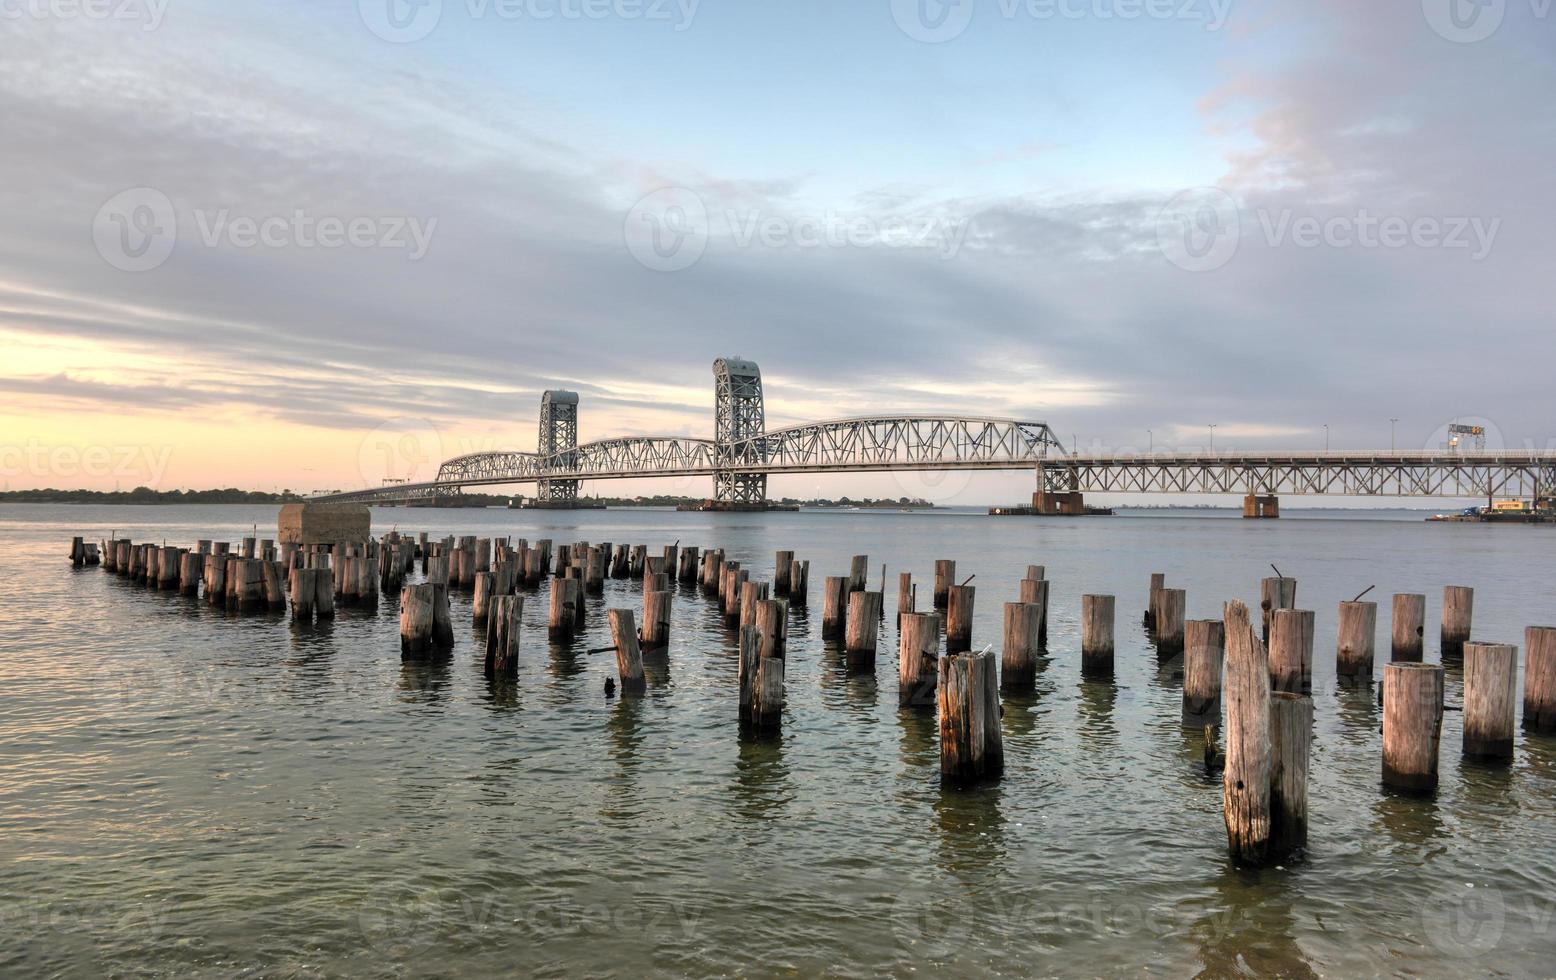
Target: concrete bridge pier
1261 506
1059 503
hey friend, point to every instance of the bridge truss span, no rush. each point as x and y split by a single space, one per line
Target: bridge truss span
904 442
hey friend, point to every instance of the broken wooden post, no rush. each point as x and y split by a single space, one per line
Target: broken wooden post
1291 651
1245 788
629 657
1204 651
1412 725
918 655
967 690
1490 699
1355 648
1097 617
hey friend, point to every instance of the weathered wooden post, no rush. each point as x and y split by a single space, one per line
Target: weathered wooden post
215 579
274 585
687 572
772 624
1358 633
323 592
575 596
1540 679
972 750
1018 661
712 570
416 620
1158 583
1171 606
1034 592
749 652
167 569
1408 628
799 583
503 632
248 547
302 594
959 618
251 584
480 606
594 577
738 577
637 559
1097 618
1412 725
863 627
767 695
656 619
781 574
834 612
918 655
78 551
905 596
945 577
751 593
1245 788
483 556
1490 699
1458 609
1291 738
1276 593
858 574
191 565
1291 651
629 658
1204 651
559 616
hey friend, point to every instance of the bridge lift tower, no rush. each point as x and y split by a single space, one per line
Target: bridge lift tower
739 422
558 434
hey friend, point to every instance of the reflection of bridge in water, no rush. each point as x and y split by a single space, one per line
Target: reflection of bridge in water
743 453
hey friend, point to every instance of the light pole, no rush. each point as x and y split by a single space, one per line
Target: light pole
1150 441
1213 436
1326 438
1392 424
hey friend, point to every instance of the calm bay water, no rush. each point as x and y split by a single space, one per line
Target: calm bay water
184 791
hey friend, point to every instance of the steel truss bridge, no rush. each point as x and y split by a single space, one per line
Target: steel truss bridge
743 453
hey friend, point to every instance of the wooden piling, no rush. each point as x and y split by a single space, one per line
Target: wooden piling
480 605
967 690
251 584
1158 582
1097 617
594 576
799 583
918 655
167 569
1171 606
959 619
858 573
416 620
274 585
834 612
1291 651
1276 593
1204 650
1540 679
629 658
751 593
656 620
767 696
1245 788
906 597
1357 640
1458 610
1490 700
747 663
945 577
1018 661
215 579
503 631
781 574
772 625
738 577
863 629
559 616
191 566
1408 627
1034 592
1412 725
1291 738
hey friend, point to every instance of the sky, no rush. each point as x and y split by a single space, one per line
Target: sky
309 244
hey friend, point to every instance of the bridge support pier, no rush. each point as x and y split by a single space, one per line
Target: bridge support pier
1067 503
1261 506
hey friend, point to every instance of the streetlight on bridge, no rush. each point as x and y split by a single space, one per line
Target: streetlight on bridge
1213 436
1326 438
1392 424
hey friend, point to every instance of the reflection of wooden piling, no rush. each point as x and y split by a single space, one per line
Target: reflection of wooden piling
1355 647
918 655
834 612
1018 661
1097 618
629 657
1458 610
1540 679
1490 693
1291 651
1204 649
967 689
1408 627
959 618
